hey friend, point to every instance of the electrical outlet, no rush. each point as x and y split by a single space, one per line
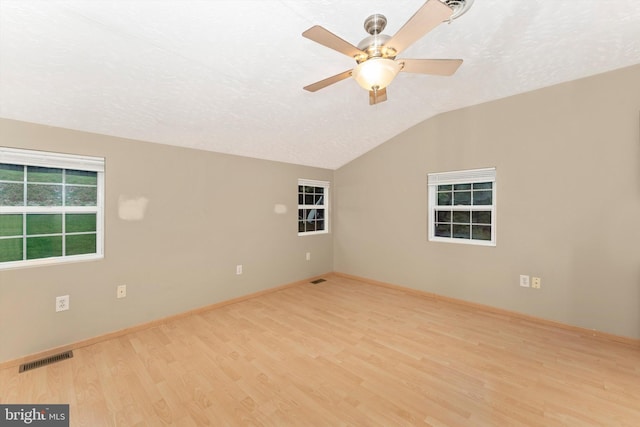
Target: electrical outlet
308 256
239 269
62 303
536 282
121 291
524 280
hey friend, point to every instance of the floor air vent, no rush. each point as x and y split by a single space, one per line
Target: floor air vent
46 361
315 282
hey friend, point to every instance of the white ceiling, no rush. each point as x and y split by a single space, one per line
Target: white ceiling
227 76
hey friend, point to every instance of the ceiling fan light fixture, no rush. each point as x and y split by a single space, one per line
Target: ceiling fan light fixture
376 73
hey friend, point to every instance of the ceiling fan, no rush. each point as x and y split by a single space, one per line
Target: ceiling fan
376 55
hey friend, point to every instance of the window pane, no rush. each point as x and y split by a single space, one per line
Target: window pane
11 194
318 190
312 214
302 216
308 189
300 226
461 231
462 198
80 244
482 232
462 186
318 199
81 177
443 230
44 195
308 199
78 223
81 196
300 199
483 185
319 225
445 187
443 216
44 224
483 197
444 199
39 174
482 217
44 247
319 214
11 172
10 250
310 226
11 225
462 217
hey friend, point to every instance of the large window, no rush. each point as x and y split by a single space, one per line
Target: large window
51 207
313 207
462 206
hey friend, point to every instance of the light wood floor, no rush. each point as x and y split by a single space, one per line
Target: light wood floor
342 353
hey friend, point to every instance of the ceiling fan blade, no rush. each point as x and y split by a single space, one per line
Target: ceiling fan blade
328 81
429 16
437 67
377 96
326 38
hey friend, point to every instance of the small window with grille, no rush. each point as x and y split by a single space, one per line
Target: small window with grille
313 207
462 207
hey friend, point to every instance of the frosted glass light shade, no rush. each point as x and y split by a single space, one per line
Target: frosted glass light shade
376 73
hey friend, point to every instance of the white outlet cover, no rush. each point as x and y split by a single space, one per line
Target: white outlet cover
121 291
62 303
524 281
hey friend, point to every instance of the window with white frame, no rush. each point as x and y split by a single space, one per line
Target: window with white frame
51 207
313 207
462 206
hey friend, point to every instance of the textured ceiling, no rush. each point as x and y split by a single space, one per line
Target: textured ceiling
227 76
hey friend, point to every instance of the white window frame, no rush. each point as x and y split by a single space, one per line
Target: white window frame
461 177
61 161
324 206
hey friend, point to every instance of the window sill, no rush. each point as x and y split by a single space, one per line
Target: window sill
12 265
463 241
312 233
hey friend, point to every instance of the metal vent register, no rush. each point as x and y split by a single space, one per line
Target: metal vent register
46 361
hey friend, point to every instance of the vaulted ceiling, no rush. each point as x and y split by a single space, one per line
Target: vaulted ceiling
227 76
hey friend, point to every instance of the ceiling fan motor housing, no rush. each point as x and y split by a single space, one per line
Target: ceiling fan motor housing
374 47
374 44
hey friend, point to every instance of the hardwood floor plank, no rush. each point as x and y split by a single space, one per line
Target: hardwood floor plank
342 353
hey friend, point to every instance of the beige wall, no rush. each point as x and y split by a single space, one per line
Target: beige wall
207 212
568 204
568 164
